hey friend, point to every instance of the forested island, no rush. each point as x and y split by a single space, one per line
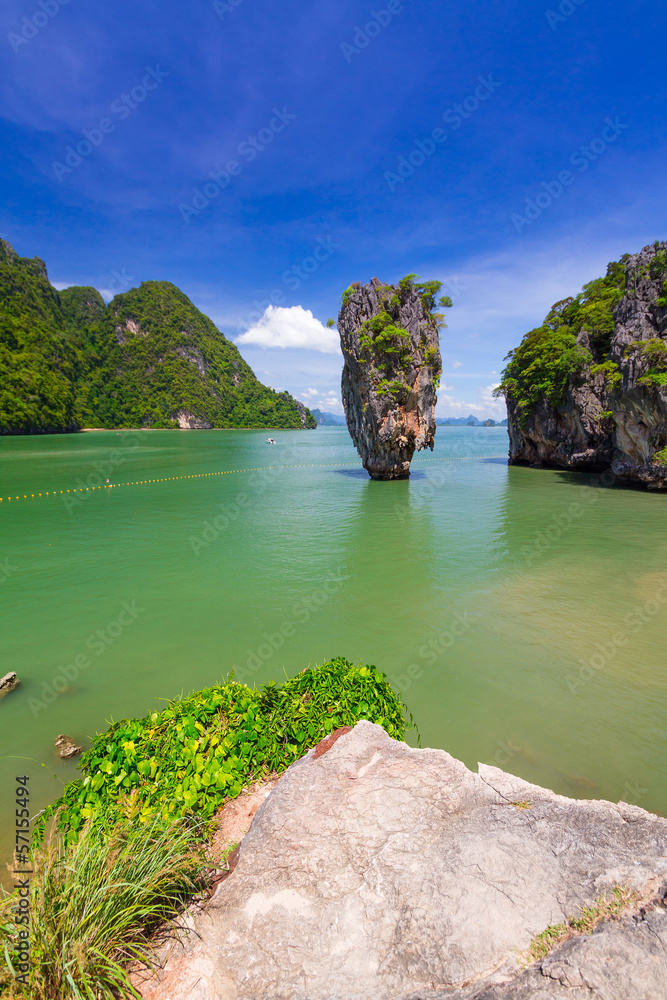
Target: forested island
587 389
149 358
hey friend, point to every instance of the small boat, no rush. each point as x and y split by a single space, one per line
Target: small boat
270 441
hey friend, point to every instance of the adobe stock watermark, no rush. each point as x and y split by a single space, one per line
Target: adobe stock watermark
504 754
98 643
120 281
453 116
562 522
431 651
31 26
102 470
580 158
121 108
6 570
436 480
565 9
300 614
634 621
249 149
229 513
633 793
292 278
379 20
224 7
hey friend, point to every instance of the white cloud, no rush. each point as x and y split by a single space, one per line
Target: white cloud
327 401
289 328
457 364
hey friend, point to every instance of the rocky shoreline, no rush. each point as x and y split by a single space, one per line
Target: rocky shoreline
374 871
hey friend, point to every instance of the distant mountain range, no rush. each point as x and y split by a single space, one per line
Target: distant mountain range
148 359
334 420
328 419
469 422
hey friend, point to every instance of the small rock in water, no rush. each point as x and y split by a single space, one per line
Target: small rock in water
66 747
9 682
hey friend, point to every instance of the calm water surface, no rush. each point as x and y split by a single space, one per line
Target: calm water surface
522 612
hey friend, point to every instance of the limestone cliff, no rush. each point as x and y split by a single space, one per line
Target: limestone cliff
389 339
588 389
374 871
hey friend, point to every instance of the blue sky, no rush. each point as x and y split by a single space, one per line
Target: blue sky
304 113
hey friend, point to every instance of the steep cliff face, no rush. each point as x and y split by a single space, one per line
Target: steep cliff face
389 338
588 389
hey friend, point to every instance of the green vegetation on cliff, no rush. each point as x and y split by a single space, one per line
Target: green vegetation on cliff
191 757
38 365
382 335
128 841
549 359
68 360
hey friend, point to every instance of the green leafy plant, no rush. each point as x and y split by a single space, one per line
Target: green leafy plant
93 905
542 367
611 371
391 387
654 354
349 292
200 751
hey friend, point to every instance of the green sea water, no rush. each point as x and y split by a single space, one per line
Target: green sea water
520 611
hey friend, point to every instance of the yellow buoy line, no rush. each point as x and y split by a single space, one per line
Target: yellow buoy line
206 475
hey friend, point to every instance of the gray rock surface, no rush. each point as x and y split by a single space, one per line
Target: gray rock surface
9 682
388 387
375 871
623 960
67 747
576 435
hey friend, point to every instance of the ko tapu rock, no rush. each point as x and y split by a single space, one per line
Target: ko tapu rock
389 339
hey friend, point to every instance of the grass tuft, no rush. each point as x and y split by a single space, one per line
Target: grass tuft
603 908
93 906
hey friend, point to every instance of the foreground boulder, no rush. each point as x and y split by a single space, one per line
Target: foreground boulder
376 871
389 339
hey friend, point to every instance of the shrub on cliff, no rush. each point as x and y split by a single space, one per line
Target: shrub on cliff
542 367
188 759
549 359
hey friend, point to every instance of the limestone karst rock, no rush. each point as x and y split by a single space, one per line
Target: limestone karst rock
374 871
613 414
389 339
